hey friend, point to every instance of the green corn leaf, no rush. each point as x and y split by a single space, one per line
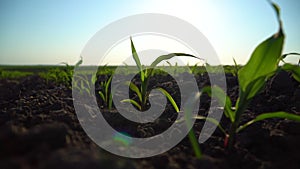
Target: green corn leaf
263 62
133 102
79 62
169 56
287 54
256 86
166 57
134 88
107 83
195 144
146 72
187 119
110 101
102 95
294 69
264 116
277 11
137 60
170 98
82 84
87 90
212 120
223 99
93 79
236 68
194 68
87 82
235 64
64 63
169 63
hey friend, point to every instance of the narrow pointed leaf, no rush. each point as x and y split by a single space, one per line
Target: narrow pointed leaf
294 69
195 144
236 68
214 121
166 57
170 98
78 63
111 96
234 61
169 63
107 83
133 102
277 11
169 56
134 88
223 99
283 115
287 54
137 59
102 96
93 79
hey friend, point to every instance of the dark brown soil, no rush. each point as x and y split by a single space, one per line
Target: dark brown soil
39 129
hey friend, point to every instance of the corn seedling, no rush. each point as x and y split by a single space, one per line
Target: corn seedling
5 74
294 69
235 68
175 68
143 93
145 74
263 64
169 63
196 69
106 94
84 82
61 75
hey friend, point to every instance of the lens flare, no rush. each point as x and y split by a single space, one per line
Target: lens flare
122 138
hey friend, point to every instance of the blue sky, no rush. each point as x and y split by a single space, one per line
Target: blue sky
50 32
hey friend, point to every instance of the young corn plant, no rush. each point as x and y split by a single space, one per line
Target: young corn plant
294 69
143 93
65 74
175 68
263 64
61 75
145 74
105 94
9 74
235 69
83 82
196 69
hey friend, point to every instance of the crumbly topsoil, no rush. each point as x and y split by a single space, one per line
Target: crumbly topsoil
39 129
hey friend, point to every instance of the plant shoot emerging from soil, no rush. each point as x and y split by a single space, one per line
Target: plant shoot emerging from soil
252 77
